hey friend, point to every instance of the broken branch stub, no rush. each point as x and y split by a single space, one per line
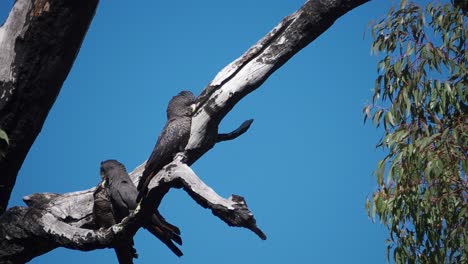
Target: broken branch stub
236 133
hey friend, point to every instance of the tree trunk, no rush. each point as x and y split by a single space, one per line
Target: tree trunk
38 45
53 220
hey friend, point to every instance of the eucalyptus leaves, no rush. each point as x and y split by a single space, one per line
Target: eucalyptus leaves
420 99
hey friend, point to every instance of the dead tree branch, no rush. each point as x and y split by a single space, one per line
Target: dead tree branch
65 220
55 220
233 210
249 71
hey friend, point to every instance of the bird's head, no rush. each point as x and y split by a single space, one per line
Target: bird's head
181 105
110 168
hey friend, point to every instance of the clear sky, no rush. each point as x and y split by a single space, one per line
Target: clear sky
305 166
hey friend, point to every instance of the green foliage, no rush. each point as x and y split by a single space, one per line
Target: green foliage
421 101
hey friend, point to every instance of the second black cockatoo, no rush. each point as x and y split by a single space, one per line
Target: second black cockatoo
104 217
123 194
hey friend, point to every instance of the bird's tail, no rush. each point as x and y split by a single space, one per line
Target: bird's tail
142 186
125 253
141 193
166 232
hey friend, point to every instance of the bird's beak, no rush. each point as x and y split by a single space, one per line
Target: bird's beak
193 107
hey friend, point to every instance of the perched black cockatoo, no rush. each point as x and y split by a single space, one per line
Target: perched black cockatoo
123 194
172 140
104 218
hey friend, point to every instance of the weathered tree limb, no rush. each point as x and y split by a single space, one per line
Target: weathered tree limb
38 45
65 220
249 71
233 210
246 74
235 81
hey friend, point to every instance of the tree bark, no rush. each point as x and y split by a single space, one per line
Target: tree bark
249 71
38 45
65 220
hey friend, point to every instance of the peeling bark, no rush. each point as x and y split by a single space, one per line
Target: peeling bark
249 71
53 220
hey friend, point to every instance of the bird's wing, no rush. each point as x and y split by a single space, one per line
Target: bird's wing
167 146
123 194
128 192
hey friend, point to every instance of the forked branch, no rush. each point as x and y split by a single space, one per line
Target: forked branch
233 210
54 220
65 220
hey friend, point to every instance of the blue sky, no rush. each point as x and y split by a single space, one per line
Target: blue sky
305 166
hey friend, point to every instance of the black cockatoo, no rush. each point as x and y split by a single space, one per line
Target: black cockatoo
104 217
172 139
123 194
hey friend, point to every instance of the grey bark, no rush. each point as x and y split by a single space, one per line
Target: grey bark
65 220
53 220
38 45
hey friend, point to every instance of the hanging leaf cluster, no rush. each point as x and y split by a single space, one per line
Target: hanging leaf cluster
420 100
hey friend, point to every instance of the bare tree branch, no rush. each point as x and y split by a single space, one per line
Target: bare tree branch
54 220
249 71
233 210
